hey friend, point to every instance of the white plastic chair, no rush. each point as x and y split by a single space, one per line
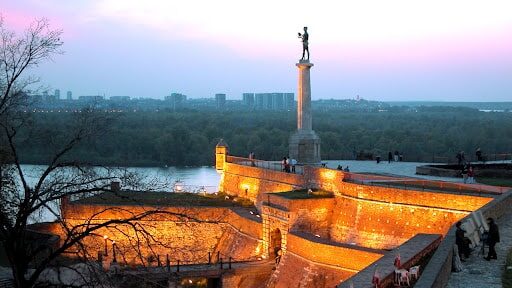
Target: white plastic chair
397 276
404 277
414 271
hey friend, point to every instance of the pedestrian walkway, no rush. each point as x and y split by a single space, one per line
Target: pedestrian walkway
479 272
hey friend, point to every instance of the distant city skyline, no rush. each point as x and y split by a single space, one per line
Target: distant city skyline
385 51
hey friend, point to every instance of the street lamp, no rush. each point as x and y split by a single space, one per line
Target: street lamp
105 237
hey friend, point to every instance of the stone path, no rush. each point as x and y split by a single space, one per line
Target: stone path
397 168
481 273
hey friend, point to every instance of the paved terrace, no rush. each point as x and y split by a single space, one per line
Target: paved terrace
481 273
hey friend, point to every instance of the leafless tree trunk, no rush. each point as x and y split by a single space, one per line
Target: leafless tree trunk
62 179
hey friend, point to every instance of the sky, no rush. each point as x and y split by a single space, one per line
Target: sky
394 50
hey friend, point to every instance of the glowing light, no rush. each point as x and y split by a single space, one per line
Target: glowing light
328 174
178 186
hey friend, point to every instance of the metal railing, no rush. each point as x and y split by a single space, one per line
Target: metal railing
270 165
213 260
495 157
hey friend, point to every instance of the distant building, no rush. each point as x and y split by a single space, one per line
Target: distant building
268 101
176 100
277 101
37 98
46 96
94 98
220 100
69 95
289 101
57 94
271 101
258 101
248 99
119 98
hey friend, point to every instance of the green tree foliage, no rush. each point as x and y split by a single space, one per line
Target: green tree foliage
188 138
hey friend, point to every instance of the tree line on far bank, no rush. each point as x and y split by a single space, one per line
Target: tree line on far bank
189 138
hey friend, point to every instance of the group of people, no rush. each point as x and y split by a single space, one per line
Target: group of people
394 156
288 165
467 171
346 169
468 174
461 158
490 238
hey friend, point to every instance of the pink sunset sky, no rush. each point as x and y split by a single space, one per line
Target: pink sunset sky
381 50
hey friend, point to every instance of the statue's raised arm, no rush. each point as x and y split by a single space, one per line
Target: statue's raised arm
305 45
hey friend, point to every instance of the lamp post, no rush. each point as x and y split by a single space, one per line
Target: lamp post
105 237
114 251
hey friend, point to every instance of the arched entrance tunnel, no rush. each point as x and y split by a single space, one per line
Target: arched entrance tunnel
275 243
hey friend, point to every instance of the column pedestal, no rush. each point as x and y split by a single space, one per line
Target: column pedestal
305 147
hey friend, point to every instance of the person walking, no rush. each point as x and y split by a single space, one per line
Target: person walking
284 162
478 154
390 157
471 175
459 158
462 242
396 156
465 173
293 162
493 238
251 158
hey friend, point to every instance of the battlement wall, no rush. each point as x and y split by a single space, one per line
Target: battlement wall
370 216
383 225
341 256
184 233
252 182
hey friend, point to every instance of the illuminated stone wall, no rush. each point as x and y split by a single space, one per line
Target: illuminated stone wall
380 217
307 215
295 271
413 197
252 182
383 225
185 234
312 215
370 216
329 253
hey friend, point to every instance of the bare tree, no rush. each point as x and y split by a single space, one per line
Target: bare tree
21 198
34 255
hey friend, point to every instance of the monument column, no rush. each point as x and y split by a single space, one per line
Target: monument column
304 144
304 97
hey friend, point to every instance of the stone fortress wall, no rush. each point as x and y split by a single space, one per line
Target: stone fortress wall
359 216
323 240
369 216
185 234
